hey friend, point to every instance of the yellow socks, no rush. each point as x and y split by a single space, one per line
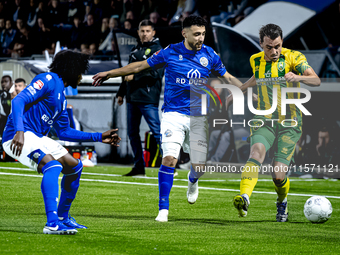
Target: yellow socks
249 176
282 188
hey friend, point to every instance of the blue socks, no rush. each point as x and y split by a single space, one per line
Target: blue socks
165 181
194 176
49 189
69 188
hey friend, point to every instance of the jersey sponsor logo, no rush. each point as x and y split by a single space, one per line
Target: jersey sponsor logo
281 66
38 85
287 139
31 90
204 61
180 57
168 133
47 119
268 74
49 77
193 74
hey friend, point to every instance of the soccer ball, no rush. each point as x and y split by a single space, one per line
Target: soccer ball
318 209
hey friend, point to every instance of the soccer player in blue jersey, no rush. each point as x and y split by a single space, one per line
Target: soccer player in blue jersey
187 66
41 105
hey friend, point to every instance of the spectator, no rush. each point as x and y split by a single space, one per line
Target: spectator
105 29
75 8
128 24
87 12
19 84
84 48
93 49
19 23
184 9
5 101
43 36
91 33
32 13
97 10
142 93
55 13
19 11
116 8
7 38
2 24
25 43
76 33
106 45
156 19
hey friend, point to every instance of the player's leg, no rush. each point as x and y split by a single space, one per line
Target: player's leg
36 155
282 185
172 138
151 116
134 119
261 140
72 169
286 142
197 143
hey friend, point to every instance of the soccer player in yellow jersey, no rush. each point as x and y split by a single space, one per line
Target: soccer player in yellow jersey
274 67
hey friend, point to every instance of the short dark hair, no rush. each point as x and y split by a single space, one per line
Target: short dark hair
20 80
146 22
7 76
194 20
69 65
271 30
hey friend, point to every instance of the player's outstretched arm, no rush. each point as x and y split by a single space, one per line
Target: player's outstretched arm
228 78
309 77
132 68
110 137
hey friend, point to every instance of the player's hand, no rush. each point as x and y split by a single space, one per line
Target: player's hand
17 143
120 100
129 78
99 78
110 137
291 77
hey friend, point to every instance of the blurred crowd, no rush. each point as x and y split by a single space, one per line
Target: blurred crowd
32 26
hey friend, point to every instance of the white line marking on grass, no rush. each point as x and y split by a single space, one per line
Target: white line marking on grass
175 186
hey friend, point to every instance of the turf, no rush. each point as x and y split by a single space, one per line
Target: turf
120 217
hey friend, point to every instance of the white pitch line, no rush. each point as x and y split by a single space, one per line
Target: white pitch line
185 180
175 186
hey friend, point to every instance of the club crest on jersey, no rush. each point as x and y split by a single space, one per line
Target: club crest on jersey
180 57
147 51
204 61
281 66
38 85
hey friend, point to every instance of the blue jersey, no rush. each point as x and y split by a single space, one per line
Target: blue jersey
41 105
186 73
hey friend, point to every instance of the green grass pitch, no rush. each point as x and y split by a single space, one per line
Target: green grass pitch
120 212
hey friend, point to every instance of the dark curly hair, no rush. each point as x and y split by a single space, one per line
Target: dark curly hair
194 20
69 65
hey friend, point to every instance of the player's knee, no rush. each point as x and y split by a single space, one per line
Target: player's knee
169 161
47 158
258 152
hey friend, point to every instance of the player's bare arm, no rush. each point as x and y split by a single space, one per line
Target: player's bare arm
250 83
228 78
309 77
17 143
110 137
132 68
